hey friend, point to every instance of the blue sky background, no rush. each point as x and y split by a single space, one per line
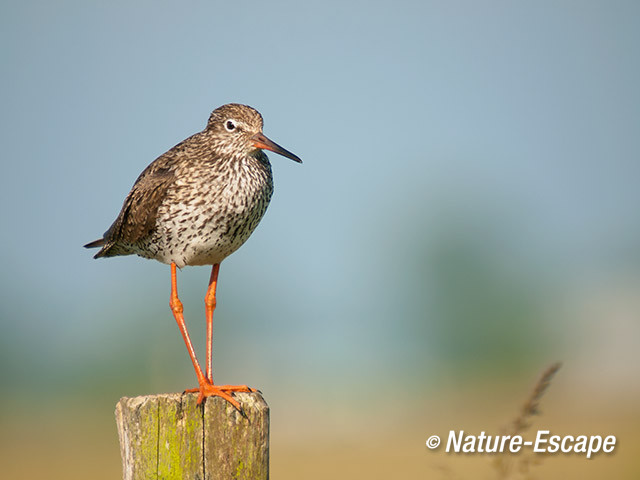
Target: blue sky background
467 206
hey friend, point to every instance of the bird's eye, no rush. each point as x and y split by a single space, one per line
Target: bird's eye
230 125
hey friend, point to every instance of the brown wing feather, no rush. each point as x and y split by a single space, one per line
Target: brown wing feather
137 218
138 215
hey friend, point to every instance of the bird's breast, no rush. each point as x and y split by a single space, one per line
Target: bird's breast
210 212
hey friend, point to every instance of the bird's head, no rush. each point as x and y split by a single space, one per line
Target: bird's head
238 128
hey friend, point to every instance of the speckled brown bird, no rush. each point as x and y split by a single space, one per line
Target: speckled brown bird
196 205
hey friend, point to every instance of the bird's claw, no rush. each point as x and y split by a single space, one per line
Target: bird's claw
206 390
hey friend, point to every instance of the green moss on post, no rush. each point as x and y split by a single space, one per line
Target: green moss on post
171 437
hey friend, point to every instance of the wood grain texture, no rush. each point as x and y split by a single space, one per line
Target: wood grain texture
169 436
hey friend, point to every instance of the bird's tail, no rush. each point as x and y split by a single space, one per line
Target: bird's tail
101 242
109 248
96 243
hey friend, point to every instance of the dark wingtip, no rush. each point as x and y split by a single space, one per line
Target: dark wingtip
96 243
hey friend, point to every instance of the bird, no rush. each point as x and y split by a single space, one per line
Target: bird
197 204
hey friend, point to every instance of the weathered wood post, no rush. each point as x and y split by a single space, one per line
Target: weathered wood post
171 437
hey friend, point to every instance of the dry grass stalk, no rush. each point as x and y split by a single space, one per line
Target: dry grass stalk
530 407
504 463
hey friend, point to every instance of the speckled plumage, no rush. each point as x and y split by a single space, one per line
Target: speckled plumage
200 201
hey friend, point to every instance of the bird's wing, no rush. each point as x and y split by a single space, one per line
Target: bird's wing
137 218
138 215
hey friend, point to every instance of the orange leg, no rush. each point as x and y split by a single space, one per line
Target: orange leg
209 307
206 387
176 309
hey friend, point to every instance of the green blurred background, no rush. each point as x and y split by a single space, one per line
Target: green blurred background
467 214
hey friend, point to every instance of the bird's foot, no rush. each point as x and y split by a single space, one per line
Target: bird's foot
207 389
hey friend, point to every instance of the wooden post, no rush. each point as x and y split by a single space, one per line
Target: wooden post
169 436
